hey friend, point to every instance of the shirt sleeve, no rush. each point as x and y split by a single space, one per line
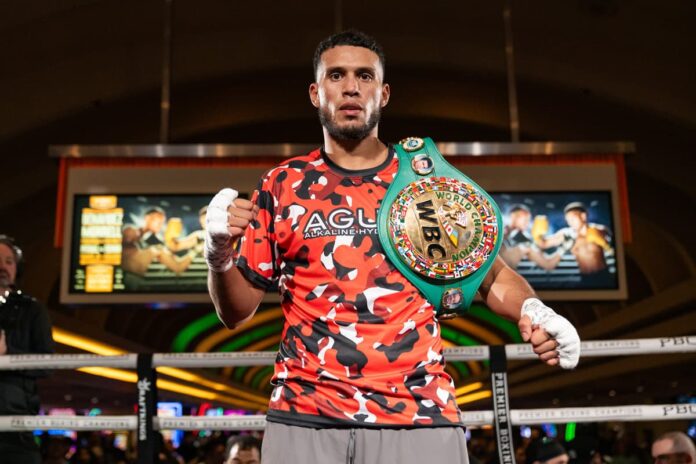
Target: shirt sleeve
256 257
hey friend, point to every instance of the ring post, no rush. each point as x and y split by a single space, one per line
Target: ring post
147 409
501 405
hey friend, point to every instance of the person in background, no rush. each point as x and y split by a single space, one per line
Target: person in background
243 449
24 328
674 448
549 451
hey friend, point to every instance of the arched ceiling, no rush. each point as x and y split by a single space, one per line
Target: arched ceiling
62 57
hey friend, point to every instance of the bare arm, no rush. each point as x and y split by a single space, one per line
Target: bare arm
550 241
178 244
177 264
553 338
137 261
234 297
544 262
504 290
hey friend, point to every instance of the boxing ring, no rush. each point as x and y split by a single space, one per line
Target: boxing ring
146 422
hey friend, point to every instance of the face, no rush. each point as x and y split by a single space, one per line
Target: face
663 453
576 219
8 267
520 219
154 222
349 93
247 456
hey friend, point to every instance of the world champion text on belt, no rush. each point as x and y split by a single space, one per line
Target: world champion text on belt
438 227
442 228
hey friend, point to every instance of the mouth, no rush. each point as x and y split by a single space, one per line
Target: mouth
350 109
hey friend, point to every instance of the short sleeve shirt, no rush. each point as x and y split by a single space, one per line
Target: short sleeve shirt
360 346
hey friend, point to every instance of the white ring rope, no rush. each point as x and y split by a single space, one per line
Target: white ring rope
77 423
594 348
633 413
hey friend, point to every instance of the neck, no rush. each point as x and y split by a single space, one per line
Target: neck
355 155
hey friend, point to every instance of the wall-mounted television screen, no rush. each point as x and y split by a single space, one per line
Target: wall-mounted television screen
133 234
560 240
130 244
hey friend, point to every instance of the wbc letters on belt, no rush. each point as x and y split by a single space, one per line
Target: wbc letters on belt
438 227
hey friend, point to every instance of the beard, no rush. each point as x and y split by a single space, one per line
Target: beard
5 281
351 133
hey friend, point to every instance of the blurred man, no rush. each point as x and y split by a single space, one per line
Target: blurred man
243 449
674 448
24 328
588 242
547 451
518 242
145 245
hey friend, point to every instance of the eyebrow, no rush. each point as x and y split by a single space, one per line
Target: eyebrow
359 70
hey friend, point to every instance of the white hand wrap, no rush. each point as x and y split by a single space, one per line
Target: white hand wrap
219 243
558 328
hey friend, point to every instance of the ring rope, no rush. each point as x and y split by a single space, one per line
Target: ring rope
631 413
594 348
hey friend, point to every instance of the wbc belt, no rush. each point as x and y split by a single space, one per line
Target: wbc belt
438 227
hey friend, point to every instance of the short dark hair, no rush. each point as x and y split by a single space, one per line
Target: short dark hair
16 252
245 442
153 210
353 38
519 207
12 245
575 206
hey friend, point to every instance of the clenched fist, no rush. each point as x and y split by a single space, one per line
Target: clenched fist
553 337
226 220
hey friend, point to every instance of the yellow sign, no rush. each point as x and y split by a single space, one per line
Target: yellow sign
103 201
99 278
100 232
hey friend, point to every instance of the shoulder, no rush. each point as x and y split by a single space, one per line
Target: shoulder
26 302
292 168
599 227
299 163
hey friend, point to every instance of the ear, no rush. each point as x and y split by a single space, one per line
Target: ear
386 93
314 94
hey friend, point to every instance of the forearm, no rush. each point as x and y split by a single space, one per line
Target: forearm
504 290
234 297
544 262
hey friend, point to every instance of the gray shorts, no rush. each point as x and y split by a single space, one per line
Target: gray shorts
290 444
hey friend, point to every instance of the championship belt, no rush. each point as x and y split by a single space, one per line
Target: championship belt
438 227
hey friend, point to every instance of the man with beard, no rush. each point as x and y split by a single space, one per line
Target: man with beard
360 373
587 241
24 328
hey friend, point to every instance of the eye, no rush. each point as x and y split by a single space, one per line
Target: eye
366 77
334 76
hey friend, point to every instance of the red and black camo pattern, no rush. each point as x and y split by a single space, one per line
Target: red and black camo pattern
360 345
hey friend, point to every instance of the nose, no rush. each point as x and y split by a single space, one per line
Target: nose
351 85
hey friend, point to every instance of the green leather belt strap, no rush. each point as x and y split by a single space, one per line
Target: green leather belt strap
438 227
